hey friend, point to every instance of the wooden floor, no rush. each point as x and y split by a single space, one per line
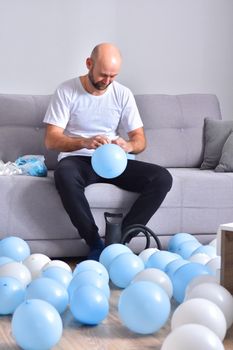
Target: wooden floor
110 335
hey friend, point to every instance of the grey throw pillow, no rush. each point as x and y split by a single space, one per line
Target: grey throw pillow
215 134
226 160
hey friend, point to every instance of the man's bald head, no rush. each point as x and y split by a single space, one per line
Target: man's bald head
106 51
103 65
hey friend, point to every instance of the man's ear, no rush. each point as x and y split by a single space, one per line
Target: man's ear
89 63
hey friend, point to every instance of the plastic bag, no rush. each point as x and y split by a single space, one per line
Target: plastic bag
33 165
9 168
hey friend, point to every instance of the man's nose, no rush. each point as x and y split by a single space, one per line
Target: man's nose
107 80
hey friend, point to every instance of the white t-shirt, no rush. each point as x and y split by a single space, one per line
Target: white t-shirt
82 114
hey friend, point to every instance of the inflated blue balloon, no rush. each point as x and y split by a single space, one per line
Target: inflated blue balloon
184 275
15 248
89 305
49 290
111 252
178 239
124 268
89 277
58 274
160 259
4 260
36 325
109 161
206 249
144 307
174 265
12 294
92 265
186 249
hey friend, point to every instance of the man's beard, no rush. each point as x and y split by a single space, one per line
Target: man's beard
98 85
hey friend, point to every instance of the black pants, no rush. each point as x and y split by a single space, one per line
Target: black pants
74 173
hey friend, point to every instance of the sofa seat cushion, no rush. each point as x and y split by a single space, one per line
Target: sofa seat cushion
32 205
202 188
192 187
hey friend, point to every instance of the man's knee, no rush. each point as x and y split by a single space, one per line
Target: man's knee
168 180
163 179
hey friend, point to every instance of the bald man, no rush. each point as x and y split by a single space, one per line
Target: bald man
85 113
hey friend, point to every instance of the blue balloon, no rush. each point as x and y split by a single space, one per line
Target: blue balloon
111 252
160 259
144 307
49 290
15 248
206 249
184 275
5 259
171 268
131 156
186 249
89 277
89 305
109 161
36 325
12 294
178 239
58 274
92 265
124 268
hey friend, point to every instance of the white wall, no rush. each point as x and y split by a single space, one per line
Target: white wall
169 46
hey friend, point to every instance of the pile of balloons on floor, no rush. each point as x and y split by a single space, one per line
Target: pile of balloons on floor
37 291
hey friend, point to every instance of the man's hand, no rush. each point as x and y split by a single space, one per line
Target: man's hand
96 141
56 139
136 142
123 144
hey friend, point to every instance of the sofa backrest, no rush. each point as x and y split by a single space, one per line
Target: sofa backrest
173 126
21 127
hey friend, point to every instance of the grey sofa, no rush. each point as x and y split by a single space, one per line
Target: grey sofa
200 200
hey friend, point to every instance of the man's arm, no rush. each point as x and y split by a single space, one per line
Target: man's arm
56 139
136 142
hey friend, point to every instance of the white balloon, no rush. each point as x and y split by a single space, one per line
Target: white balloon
213 242
156 276
198 280
214 264
200 311
35 263
146 253
218 295
192 337
200 258
16 270
57 263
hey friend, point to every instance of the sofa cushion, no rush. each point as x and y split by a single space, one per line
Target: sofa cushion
22 127
226 160
205 202
115 197
31 205
197 203
174 127
204 189
215 134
